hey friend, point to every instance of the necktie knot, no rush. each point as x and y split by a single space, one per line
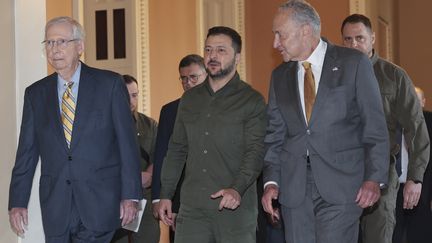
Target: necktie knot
306 65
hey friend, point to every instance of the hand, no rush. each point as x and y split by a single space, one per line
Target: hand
230 198
173 226
128 211
165 213
146 179
411 194
368 194
18 219
271 192
155 207
274 219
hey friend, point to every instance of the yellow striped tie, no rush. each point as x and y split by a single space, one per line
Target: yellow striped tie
68 112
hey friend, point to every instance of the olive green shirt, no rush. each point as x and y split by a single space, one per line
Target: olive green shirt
219 136
146 129
401 106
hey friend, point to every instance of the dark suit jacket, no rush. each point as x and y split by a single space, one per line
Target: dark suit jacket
165 129
346 137
426 194
102 165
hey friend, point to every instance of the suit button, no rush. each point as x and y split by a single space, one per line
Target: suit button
68 182
70 158
308 132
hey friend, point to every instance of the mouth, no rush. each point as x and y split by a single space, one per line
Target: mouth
213 64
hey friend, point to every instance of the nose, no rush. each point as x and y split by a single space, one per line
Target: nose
212 53
276 42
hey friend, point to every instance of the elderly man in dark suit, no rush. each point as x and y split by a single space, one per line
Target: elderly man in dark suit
78 121
327 142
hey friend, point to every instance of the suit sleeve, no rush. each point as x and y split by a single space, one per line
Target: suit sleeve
127 142
162 139
274 139
375 134
175 159
26 160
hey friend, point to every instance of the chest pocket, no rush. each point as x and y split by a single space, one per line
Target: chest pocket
229 129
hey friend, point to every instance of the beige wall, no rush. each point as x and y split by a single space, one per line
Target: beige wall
8 110
173 35
415 49
55 8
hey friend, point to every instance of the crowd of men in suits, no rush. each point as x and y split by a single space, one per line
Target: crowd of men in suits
342 145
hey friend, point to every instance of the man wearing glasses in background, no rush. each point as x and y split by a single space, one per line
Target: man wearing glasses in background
192 72
78 121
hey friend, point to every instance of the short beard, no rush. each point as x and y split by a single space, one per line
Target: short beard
223 72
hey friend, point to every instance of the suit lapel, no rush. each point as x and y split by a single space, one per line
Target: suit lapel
329 76
86 90
287 93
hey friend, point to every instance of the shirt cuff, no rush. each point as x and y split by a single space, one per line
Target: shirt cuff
270 183
156 201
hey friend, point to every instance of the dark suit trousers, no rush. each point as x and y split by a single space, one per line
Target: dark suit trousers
413 225
78 233
317 221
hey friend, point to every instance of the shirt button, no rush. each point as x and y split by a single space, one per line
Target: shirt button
308 132
204 170
205 151
208 115
206 133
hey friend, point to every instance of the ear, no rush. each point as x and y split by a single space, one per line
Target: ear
306 30
80 47
373 38
237 58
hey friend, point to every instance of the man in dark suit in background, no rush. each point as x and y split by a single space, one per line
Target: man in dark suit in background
327 142
78 121
192 72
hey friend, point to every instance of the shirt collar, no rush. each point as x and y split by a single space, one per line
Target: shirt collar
75 77
231 85
317 56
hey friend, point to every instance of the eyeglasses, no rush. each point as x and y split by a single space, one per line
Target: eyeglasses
60 43
193 78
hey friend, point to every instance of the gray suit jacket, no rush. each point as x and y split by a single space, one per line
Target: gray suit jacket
100 168
346 137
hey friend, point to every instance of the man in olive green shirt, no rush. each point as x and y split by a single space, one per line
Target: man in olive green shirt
218 136
403 111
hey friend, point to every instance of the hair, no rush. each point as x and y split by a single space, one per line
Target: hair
223 30
128 79
77 30
192 59
303 13
357 18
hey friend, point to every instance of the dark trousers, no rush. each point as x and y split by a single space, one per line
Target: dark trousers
78 233
317 221
412 225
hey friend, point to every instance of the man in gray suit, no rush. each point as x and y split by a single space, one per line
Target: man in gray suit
78 121
327 152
